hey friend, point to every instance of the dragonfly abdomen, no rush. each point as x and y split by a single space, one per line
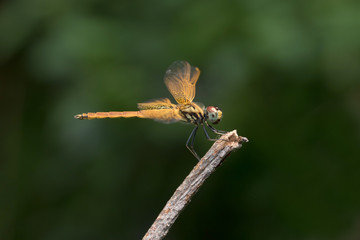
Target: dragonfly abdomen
100 115
164 115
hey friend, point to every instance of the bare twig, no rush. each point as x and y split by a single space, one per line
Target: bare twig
183 194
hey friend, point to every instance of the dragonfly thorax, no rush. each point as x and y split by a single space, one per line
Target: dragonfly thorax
213 114
192 113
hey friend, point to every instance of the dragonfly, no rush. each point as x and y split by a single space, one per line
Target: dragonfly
180 79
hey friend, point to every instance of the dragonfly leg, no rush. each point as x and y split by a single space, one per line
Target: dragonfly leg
190 143
214 130
207 135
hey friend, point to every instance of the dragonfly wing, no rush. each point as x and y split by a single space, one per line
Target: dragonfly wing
165 115
163 103
160 110
180 79
194 75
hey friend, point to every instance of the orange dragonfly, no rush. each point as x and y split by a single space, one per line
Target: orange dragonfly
180 79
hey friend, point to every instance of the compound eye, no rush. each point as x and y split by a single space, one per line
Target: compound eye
214 114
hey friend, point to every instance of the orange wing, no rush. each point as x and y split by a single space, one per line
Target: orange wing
160 109
163 115
163 103
180 79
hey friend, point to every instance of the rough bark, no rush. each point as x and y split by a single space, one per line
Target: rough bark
183 194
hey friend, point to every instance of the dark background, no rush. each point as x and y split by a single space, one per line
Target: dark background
285 73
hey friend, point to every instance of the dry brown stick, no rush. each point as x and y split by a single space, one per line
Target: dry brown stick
183 194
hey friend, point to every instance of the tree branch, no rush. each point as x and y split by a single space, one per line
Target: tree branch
183 194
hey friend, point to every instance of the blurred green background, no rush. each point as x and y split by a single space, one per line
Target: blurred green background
285 73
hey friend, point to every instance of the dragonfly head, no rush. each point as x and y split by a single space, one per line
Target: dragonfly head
214 114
